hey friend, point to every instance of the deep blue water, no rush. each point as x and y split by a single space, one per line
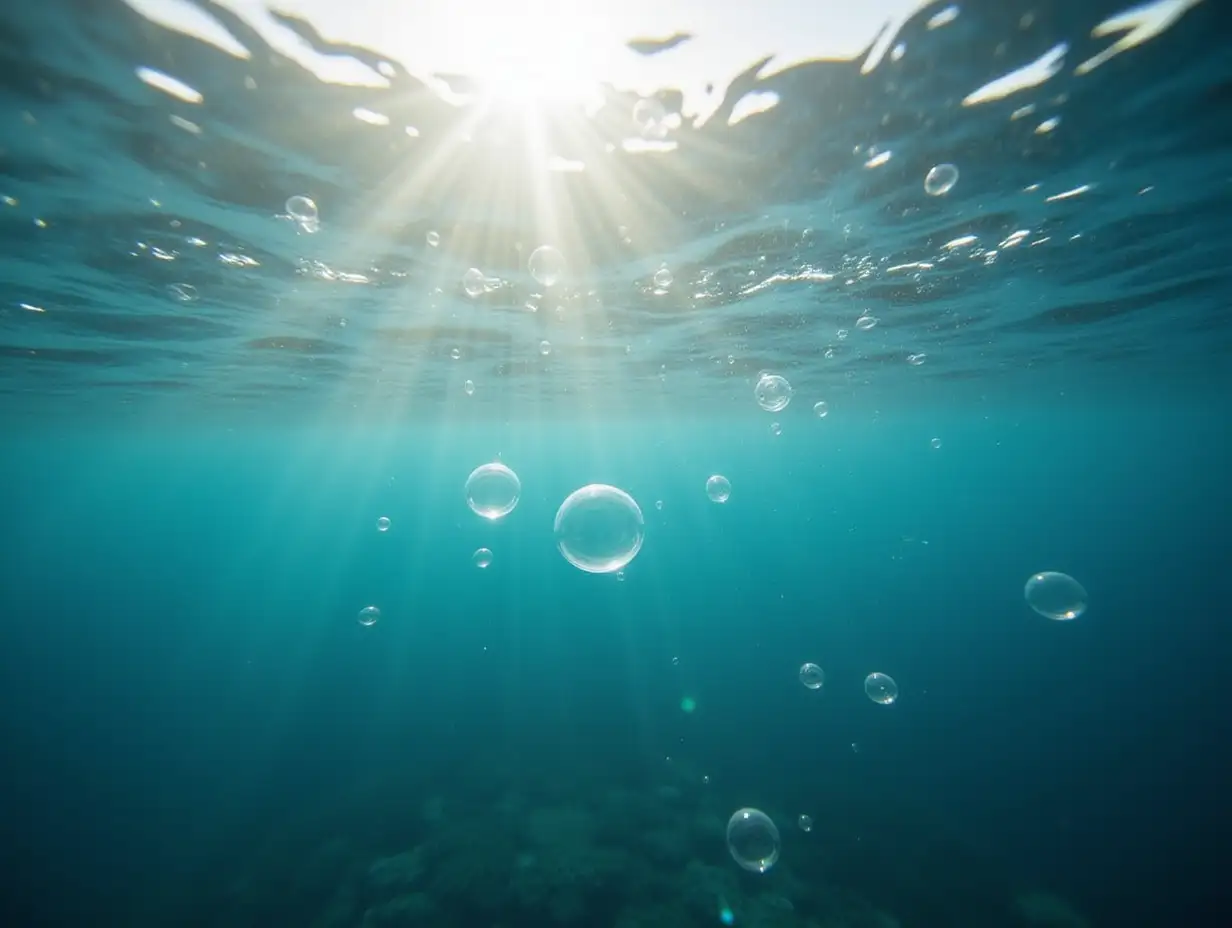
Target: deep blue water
196 729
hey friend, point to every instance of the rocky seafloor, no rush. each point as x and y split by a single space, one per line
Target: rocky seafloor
594 854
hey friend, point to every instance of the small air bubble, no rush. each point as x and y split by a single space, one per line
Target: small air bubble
940 180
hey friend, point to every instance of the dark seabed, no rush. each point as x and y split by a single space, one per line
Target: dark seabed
212 391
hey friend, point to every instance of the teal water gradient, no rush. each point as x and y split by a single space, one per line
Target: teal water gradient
183 657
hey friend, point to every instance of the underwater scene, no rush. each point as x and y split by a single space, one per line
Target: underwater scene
615 464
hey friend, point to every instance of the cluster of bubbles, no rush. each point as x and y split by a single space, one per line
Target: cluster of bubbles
879 687
546 266
546 263
753 839
773 391
600 529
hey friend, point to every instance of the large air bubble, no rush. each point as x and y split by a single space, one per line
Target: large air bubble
599 528
753 840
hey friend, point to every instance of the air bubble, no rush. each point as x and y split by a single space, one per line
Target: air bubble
812 676
599 528
1055 595
772 392
492 490
303 210
881 688
940 180
753 840
547 265
718 488
473 282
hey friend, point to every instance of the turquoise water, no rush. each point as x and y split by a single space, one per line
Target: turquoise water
208 407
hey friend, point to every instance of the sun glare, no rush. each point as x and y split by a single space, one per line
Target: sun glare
537 52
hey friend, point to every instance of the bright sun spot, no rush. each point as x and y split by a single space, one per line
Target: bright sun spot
531 52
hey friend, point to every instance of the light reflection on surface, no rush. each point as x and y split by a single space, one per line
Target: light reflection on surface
551 50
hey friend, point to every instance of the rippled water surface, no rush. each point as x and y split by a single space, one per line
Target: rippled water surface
780 223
